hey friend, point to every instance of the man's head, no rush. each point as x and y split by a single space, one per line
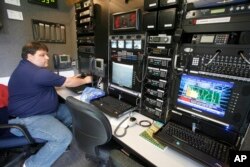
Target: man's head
36 53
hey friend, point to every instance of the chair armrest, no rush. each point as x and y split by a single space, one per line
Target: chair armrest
22 128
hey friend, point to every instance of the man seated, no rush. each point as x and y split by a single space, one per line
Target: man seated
33 102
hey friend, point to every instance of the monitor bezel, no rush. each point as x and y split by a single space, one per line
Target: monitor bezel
225 120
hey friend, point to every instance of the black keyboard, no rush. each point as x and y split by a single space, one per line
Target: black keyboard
112 106
198 146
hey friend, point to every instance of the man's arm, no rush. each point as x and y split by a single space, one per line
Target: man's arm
76 81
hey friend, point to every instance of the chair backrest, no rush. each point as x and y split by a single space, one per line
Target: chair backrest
91 128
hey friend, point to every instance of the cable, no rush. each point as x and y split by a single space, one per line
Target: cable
211 60
145 123
98 85
125 129
244 58
144 72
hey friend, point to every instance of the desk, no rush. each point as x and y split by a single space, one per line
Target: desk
147 150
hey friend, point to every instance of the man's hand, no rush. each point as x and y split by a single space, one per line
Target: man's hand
76 81
88 79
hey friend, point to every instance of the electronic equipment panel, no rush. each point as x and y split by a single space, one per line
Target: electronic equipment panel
150 4
212 3
126 63
223 102
218 19
150 21
166 19
133 42
129 20
225 61
167 3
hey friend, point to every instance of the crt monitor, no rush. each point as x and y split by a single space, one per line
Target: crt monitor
122 74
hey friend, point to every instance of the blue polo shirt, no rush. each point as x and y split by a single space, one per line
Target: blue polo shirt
31 90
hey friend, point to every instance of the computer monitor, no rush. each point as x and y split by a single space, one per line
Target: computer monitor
120 44
138 44
122 74
113 44
204 95
218 100
129 44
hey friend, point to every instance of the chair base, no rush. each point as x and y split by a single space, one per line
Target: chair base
13 157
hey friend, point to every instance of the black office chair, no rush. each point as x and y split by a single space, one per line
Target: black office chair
14 149
92 132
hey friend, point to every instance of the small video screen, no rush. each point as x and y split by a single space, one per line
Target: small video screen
137 44
113 44
129 44
121 44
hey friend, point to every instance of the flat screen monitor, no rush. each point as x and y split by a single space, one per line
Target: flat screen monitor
138 44
113 44
204 95
128 44
120 44
122 74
